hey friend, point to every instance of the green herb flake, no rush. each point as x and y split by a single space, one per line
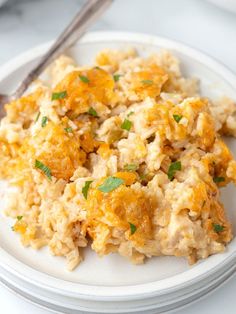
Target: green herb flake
44 121
175 166
19 218
68 130
37 117
218 228
143 176
126 125
86 188
147 82
130 113
177 117
59 95
203 203
218 179
116 77
131 167
133 228
84 79
12 228
39 165
93 112
110 184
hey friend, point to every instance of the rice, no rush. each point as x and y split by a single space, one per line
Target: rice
124 152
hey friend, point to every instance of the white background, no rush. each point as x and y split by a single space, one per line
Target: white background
26 23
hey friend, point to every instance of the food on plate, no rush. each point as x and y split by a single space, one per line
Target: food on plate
124 152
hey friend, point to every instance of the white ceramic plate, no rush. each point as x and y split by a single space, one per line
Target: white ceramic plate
113 278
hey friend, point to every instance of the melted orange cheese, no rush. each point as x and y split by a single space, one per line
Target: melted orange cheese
81 95
57 150
148 82
119 208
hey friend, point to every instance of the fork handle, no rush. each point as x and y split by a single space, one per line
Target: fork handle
88 14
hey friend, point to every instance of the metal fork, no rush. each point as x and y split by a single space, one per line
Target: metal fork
88 14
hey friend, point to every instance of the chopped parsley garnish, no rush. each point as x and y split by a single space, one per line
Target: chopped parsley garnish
133 228
93 112
84 79
68 130
110 184
97 68
38 115
203 203
130 113
143 176
59 95
19 218
44 121
177 117
131 167
218 179
86 188
116 77
47 171
147 82
218 228
126 125
174 166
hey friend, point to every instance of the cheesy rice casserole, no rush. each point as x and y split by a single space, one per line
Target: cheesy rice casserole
124 152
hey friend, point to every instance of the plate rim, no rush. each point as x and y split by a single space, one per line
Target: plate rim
98 292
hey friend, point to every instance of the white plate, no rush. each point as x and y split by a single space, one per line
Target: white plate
112 278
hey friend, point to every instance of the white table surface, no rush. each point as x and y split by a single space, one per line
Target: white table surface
26 23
